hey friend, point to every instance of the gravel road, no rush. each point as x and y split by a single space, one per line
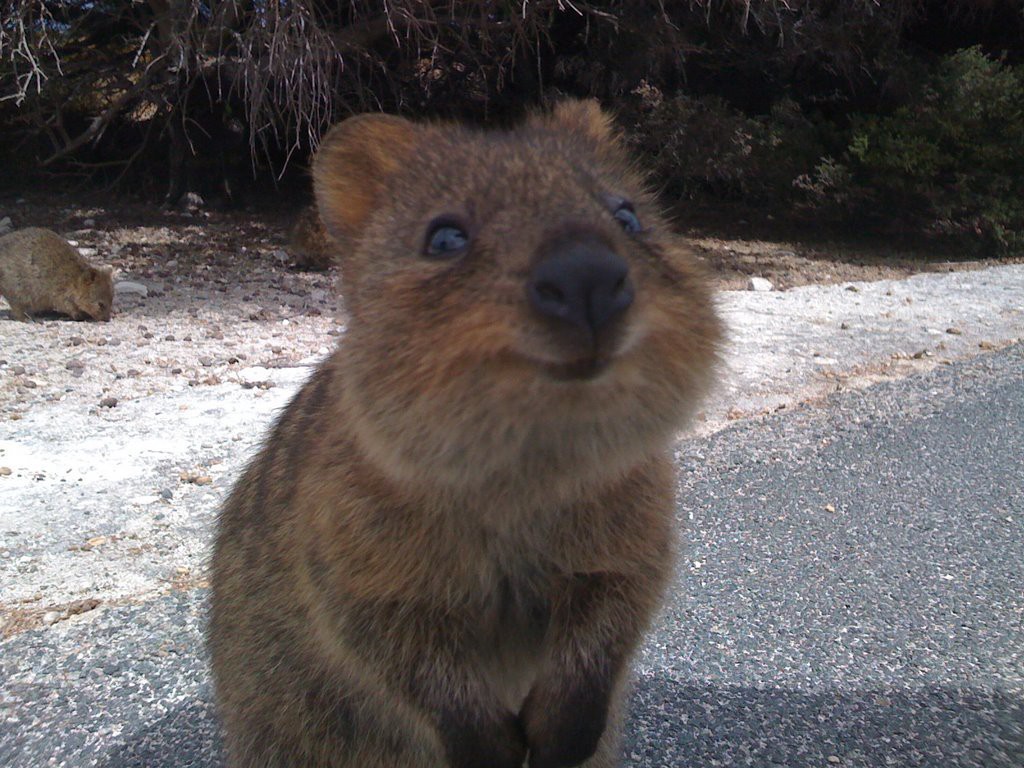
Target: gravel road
106 512
851 594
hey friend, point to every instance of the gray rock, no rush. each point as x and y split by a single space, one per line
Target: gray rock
760 284
192 202
127 286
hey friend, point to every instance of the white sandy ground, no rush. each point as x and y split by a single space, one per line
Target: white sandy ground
117 503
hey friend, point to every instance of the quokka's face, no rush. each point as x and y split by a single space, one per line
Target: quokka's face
525 271
97 294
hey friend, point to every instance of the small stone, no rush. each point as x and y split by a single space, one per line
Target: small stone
51 617
18 370
834 759
175 371
954 331
171 264
130 287
29 384
844 327
76 341
169 337
108 402
166 493
280 256
87 253
760 284
74 365
195 478
5 225
830 508
853 289
4 471
89 223
191 202
986 345
207 361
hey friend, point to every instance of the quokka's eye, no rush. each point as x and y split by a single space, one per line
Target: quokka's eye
627 217
446 238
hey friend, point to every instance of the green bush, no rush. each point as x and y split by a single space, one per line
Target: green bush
705 146
951 159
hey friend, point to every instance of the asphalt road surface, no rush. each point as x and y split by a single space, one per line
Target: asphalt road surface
851 593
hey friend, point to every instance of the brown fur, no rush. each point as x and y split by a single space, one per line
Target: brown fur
309 243
450 545
41 272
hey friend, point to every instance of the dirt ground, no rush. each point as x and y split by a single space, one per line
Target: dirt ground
141 239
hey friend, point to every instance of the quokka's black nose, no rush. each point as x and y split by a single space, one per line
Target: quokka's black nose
583 283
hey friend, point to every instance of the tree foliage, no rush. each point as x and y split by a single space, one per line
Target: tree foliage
741 99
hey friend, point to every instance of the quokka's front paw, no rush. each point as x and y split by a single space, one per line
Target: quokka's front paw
564 724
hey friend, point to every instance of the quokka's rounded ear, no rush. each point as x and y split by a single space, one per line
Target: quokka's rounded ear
353 165
580 117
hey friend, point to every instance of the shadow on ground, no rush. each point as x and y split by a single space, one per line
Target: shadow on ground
703 725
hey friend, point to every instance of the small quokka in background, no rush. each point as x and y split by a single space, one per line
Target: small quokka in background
458 531
41 272
309 243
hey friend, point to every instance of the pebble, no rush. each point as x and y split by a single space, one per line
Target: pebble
89 223
108 402
760 284
5 225
4 471
51 617
74 365
87 253
130 287
191 202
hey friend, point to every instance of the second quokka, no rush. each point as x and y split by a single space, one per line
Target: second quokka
458 531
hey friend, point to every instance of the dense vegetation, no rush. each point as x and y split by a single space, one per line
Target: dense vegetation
900 112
